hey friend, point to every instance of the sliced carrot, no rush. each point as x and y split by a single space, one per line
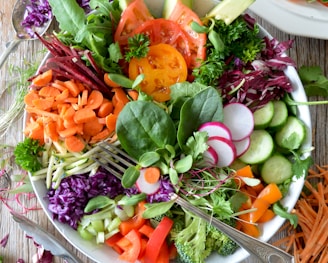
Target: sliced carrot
74 144
104 134
271 193
59 85
70 131
62 95
92 127
42 79
152 174
84 98
39 112
120 96
95 99
49 91
109 82
68 112
72 100
133 94
105 109
118 107
30 96
84 115
51 130
35 131
111 122
43 103
73 88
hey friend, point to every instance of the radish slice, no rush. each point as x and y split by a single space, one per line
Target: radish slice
242 146
239 119
215 128
145 187
210 157
225 150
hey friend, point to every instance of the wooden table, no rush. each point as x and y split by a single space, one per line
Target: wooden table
306 51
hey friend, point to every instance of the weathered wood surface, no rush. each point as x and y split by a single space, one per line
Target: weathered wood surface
306 51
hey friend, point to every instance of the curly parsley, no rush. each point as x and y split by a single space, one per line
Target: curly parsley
27 153
138 47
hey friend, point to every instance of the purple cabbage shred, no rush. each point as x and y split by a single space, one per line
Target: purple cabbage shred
68 201
256 83
163 193
38 13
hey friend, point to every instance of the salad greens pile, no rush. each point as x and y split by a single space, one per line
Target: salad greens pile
240 67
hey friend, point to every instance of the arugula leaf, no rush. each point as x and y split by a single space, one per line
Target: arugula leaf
27 155
314 81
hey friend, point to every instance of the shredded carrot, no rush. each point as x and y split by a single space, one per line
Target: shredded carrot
309 241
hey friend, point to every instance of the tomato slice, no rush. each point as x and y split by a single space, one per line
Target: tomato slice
134 15
324 3
163 66
184 16
168 32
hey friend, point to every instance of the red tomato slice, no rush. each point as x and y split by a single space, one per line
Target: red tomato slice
134 15
324 3
167 32
184 16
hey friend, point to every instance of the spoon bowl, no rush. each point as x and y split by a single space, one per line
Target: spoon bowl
18 14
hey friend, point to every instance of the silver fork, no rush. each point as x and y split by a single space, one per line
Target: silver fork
116 161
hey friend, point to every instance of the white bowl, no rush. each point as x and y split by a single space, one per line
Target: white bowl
102 253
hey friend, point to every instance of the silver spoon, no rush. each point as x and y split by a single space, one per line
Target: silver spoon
17 17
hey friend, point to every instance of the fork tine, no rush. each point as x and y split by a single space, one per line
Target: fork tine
108 168
129 161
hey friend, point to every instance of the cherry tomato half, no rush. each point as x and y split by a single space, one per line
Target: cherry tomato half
163 66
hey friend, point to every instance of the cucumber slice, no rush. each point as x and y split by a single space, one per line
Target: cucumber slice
276 169
263 116
280 114
292 134
260 148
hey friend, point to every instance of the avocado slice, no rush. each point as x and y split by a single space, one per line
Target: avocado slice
169 5
228 10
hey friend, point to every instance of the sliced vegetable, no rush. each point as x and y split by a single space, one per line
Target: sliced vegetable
239 119
163 67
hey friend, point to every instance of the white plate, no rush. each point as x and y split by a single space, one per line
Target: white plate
297 17
102 253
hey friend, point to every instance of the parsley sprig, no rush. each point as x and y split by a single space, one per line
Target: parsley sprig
27 155
138 47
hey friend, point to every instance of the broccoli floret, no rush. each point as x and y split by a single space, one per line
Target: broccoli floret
190 242
219 242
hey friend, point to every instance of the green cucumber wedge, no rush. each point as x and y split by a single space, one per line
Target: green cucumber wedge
276 169
263 116
292 134
280 115
260 149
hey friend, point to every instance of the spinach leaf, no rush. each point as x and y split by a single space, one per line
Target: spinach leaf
205 106
142 126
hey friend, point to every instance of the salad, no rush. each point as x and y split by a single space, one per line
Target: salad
201 103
